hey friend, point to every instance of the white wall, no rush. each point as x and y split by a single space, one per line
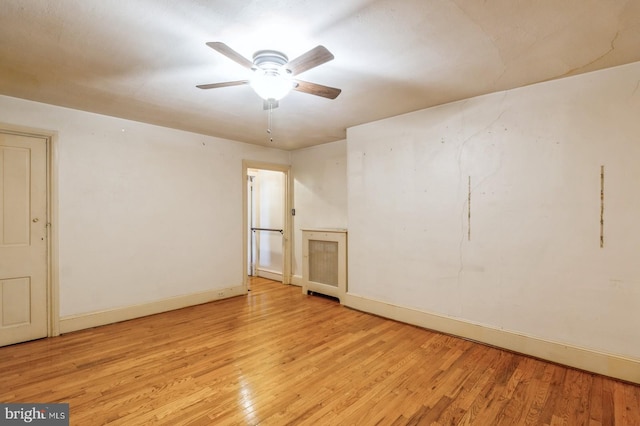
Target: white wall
145 212
319 191
533 264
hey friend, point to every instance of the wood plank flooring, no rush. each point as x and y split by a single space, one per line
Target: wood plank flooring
277 357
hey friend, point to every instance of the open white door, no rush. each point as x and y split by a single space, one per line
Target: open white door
23 238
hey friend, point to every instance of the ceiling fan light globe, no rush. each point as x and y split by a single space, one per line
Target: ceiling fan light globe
269 84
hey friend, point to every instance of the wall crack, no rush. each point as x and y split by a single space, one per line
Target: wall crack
577 69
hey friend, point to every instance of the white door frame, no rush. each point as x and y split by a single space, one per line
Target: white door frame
53 294
286 235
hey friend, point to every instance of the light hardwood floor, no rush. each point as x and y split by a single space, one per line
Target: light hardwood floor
278 357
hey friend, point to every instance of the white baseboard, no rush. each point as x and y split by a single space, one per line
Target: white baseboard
297 280
584 359
271 275
95 319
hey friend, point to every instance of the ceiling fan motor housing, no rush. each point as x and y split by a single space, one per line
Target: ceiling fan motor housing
270 60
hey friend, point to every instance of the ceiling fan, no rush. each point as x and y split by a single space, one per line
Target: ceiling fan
273 73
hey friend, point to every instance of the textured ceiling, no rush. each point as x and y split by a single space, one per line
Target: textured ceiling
141 59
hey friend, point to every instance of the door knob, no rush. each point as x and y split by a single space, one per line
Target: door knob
35 220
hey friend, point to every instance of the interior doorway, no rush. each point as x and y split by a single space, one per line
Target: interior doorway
266 222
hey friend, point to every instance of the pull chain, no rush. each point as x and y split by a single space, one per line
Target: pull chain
269 121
